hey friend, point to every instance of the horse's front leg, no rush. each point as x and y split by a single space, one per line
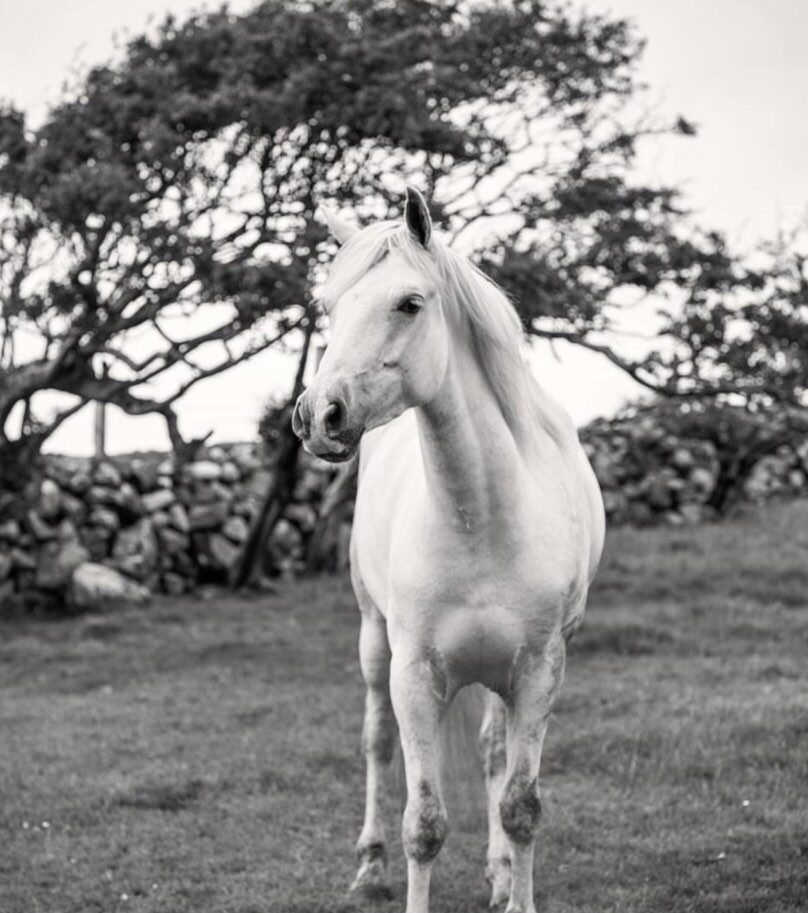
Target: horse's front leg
536 682
418 688
378 744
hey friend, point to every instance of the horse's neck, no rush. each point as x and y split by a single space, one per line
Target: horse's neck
470 455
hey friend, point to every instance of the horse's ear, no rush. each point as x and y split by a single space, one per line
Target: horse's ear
416 215
341 230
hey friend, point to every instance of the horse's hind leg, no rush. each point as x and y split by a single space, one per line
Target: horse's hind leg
536 682
493 747
378 743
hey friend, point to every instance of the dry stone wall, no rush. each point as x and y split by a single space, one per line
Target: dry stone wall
87 535
650 476
93 534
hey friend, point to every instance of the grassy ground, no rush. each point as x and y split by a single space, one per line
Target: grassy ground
203 755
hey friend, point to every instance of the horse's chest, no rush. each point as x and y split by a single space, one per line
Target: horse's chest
511 581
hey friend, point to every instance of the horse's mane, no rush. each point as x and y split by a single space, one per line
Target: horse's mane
475 305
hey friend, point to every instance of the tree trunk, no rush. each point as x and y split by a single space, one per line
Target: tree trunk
322 553
19 461
281 486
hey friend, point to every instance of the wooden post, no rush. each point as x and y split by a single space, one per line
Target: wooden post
101 422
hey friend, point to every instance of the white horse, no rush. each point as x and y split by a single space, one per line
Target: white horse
478 528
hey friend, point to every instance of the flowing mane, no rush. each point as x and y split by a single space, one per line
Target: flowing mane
476 307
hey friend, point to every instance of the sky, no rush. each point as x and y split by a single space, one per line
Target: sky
737 68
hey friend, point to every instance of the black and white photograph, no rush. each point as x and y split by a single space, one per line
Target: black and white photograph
403 456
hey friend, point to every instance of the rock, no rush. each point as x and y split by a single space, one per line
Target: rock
22 560
50 500
129 503
639 513
222 552
6 564
236 528
101 494
659 494
40 530
304 516
702 480
286 539
205 492
204 471
179 518
67 531
614 502
144 475
682 459
6 593
56 564
105 518
673 518
72 506
246 457
245 507
99 588
207 516
160 519
230 472
691 513
605 469
313 482
136 551
96 539
174 584
796 478
157 500
108 474
172 541
10 531
124 499
79 482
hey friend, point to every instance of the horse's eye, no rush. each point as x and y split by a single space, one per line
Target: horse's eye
410 305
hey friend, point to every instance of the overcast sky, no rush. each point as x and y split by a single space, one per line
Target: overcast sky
738 68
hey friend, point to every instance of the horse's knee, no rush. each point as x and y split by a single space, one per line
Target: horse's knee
425 824
520 808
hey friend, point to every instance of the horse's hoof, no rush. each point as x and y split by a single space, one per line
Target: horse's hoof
371 881
373 893
498 876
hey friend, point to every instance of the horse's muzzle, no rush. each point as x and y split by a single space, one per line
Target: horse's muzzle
323 424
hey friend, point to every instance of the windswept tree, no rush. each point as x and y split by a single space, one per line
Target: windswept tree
158 227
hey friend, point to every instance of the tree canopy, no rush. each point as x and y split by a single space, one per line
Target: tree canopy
158 227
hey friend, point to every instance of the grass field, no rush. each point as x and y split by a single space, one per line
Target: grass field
203 755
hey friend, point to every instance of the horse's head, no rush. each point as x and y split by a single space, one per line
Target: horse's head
389 346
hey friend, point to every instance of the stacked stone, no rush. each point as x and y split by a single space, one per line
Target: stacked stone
650 476
783 474
118 530
95 535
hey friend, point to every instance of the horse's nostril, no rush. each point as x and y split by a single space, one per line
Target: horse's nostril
335 419
299 426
